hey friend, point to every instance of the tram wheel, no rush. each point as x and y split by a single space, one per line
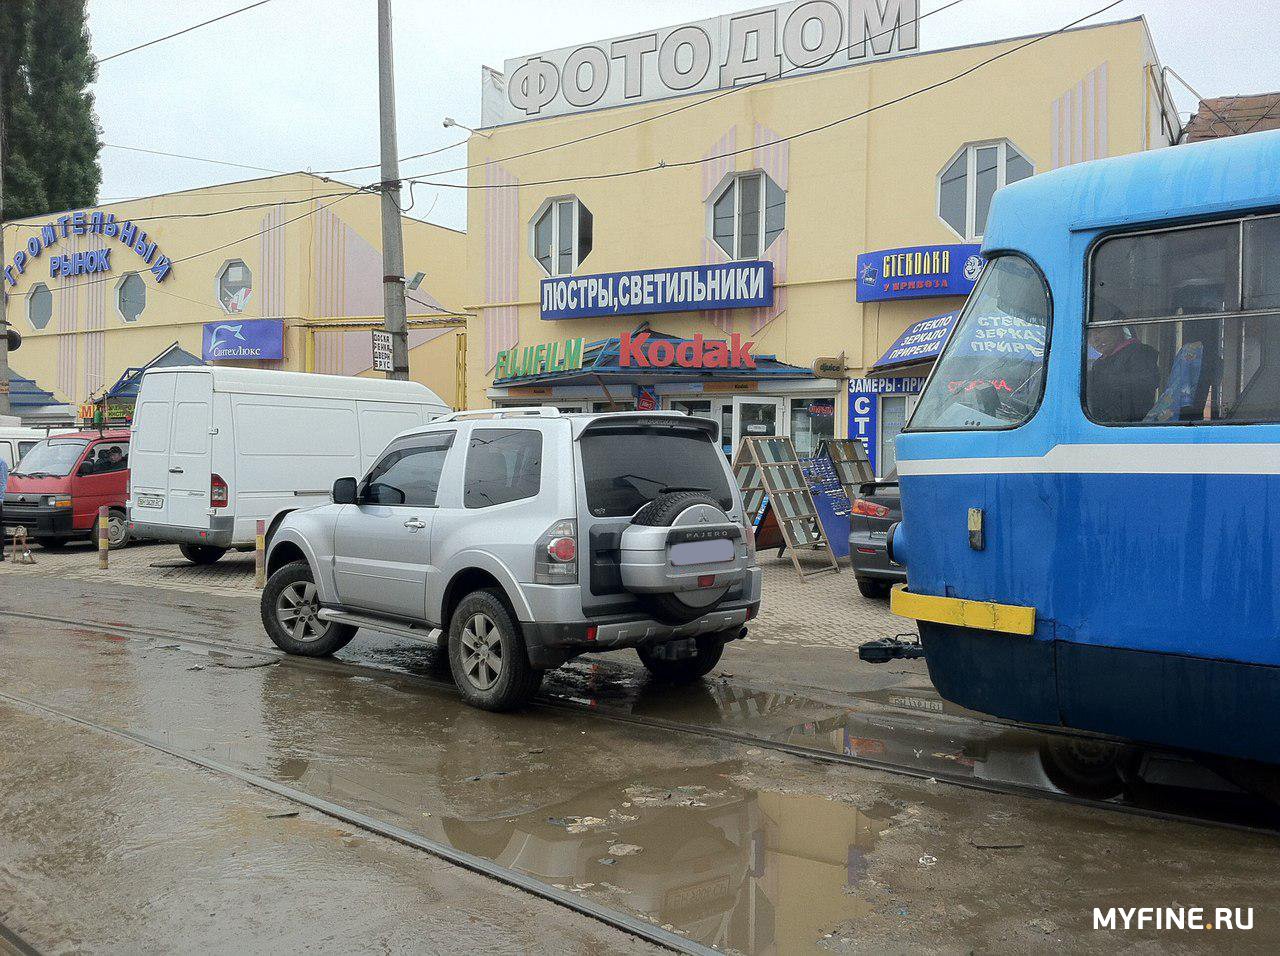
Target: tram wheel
1084 768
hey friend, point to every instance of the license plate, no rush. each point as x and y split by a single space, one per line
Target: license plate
150 501
702 552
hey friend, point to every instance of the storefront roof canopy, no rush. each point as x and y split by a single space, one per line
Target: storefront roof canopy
601 361
915 349
126 389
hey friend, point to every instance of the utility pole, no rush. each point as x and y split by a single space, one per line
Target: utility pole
395 320
4 294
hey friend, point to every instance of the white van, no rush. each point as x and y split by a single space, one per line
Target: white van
16 442
216 450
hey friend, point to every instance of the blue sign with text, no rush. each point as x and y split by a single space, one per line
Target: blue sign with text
921 341
733 285
864 409
72 225
918 272
244 339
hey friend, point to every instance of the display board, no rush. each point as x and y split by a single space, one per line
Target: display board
852 466
773 484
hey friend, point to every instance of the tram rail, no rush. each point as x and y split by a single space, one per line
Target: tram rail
720 734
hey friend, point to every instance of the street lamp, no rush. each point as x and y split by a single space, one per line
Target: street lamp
449 122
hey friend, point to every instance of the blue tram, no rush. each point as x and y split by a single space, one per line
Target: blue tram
1091 479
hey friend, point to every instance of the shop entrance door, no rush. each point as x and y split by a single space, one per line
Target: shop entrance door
757 418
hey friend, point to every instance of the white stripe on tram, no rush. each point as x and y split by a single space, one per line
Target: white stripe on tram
1161 459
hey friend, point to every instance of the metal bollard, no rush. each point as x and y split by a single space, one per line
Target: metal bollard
260 557
103 518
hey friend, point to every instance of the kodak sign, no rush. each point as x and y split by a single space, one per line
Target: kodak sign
642 351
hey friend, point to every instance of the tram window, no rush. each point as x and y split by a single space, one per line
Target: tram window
991 374
1262 263
1174 339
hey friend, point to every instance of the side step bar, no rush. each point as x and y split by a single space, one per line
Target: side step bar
416 632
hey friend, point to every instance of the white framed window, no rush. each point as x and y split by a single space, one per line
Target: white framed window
131 296
968 182
561 235
747 213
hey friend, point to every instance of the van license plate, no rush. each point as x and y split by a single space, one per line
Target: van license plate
702 552
150 501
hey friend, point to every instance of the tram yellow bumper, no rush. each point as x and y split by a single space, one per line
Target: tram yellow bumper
980 615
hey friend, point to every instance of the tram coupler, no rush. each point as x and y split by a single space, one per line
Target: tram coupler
890 649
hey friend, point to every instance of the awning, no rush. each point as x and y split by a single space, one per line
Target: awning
35 405
916 348
601 363
126 389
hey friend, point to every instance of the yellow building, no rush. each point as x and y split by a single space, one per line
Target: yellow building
283 272
855 187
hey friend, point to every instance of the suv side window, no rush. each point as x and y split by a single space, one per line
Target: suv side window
408 473
503 464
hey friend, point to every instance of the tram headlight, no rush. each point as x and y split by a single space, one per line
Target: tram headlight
897 544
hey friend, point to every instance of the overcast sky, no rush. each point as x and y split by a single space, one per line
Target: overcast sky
293 84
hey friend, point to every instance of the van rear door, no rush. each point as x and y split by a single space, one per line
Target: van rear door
149 454
190 450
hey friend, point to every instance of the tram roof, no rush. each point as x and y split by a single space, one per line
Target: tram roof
1197 180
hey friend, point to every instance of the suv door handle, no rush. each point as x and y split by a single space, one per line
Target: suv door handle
176 471
413 524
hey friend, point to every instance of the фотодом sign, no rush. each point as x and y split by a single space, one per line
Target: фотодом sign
563 356
733 285
918 272
69 227
243 340
783 40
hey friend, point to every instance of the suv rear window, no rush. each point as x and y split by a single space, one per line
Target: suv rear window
626 469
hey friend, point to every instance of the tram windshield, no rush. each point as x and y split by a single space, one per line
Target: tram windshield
991 374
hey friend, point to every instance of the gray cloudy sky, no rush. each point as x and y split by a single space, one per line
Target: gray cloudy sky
293 84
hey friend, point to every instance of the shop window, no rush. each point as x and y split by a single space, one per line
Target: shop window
235 286
893 416
970 180
562 235
131 296
747 214
813 421
620 406
1175 337
39 306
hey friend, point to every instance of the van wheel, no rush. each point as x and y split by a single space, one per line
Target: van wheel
290 604
487 655
201 553
688 669
118 534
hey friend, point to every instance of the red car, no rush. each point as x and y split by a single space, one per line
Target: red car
57 488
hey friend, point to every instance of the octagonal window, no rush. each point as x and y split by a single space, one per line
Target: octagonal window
131 297
235 286
39 306
969 182
747 214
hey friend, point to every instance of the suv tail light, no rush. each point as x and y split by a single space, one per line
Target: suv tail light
749 536
219 494
555 556
861 506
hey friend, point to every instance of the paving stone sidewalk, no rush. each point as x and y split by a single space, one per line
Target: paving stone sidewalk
823 610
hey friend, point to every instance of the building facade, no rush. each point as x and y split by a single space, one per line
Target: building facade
284 272
709 250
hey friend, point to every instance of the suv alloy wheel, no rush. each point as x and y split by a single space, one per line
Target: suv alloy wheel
289 614
487 654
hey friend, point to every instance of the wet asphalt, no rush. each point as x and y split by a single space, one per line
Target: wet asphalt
106 845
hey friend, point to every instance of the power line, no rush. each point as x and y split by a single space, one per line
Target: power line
403 159
663 165
688 106
142 46
198 159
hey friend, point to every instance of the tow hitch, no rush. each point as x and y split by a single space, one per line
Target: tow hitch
890 649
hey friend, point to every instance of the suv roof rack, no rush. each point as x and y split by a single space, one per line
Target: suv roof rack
528 411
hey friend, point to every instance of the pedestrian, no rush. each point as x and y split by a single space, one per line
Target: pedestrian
4 484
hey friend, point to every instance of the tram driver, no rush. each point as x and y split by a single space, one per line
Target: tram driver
1124 375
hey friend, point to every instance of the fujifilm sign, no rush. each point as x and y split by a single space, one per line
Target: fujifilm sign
788 39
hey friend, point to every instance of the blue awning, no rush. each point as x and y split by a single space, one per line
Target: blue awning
920 344
126 389
600 362
24 393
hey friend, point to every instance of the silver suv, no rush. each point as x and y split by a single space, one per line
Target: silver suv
521 538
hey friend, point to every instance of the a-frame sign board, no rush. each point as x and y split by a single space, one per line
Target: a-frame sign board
770 476
853 467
